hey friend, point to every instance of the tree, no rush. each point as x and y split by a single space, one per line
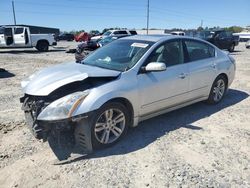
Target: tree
200 28
234 29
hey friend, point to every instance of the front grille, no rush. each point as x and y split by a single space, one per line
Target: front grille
32 106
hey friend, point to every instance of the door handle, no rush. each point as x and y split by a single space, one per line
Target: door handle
21 35
182 75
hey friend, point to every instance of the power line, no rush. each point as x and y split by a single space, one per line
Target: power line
134 8
67 14
164 10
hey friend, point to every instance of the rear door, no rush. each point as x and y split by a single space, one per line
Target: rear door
19 36
201 61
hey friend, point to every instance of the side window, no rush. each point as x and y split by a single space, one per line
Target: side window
18 31
170 53
222 35
122 32
199 50
133 32
228 33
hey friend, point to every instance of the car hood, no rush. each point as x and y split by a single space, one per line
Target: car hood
43 82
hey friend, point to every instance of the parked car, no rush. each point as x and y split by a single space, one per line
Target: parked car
83 36
181 33
19 36
93 103
65 36
114 33
82 49
248 44
223 39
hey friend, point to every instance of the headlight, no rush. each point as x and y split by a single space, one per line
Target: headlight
64 107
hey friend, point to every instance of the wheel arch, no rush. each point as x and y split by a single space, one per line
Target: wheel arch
42 40
127 104
225 76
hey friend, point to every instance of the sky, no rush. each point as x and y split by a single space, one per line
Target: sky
70 15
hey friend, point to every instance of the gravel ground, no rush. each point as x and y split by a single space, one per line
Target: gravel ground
197 146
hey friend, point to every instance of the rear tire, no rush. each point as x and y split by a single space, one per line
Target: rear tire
42 46
231 49
218 90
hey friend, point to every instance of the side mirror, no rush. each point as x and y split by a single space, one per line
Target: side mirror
154 67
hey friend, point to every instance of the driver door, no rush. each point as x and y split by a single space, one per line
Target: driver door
161 90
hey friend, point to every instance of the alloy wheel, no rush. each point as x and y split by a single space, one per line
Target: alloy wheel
219 90
109 126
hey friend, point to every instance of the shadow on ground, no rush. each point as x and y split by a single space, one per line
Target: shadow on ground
30 51
5 74
149 131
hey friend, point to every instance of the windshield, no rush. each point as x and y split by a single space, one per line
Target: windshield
106 40
119 55
107 33
204 34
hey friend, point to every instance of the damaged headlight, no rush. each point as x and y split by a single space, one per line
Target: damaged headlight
64 107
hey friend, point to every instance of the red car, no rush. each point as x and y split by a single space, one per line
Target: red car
82 37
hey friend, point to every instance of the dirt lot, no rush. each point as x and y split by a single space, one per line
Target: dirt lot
197 146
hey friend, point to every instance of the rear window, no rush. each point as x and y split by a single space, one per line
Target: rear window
18 30
199 50
121 32
133 32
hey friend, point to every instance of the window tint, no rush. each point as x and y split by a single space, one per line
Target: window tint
199 50
122 32
107 33
133 32
170 53
8 31
18 30
119 55
1 30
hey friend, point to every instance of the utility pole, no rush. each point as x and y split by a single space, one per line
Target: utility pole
14 14
147 16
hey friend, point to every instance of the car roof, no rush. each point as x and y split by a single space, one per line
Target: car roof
162 37
154 38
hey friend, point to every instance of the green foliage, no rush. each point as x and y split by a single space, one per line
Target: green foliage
234 29
200 28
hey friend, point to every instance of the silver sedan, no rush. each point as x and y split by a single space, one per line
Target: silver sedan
248 44
125 82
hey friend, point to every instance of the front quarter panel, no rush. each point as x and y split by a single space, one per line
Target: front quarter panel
123 87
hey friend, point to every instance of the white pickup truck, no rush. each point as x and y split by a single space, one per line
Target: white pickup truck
22 37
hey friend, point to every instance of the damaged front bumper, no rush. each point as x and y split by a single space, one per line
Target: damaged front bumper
66 136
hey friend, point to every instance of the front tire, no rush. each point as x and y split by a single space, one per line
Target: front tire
109 124
218 90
